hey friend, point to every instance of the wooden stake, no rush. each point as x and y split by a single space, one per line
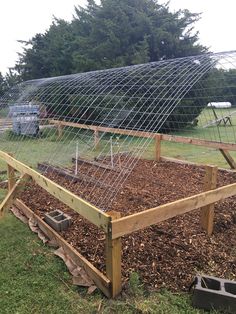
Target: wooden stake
207 212
228 158
113 259
158 147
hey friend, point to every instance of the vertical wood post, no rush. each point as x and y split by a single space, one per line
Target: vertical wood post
113 259
10 176
158 147
96 138
59 130
207 212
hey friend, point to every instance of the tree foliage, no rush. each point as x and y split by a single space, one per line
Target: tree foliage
112 34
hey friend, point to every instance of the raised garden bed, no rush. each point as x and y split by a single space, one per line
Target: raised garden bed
167 254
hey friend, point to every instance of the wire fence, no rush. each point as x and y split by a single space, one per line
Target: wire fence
191 96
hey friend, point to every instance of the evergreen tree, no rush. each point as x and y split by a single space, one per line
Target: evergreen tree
112 34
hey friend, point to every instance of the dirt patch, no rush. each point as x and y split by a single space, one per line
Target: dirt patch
168 254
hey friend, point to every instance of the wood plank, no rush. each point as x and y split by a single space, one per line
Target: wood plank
165 137
98 277
66 174
198 142
113 259
186 162
85 209
207 212
228 158
158 147
154 215
95 163
104 129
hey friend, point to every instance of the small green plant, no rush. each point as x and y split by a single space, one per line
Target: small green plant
135 286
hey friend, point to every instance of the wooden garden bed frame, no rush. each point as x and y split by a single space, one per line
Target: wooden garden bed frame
112 223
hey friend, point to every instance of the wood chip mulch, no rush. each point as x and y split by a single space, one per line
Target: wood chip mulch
168 254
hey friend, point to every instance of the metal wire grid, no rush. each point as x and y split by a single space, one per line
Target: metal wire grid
138 98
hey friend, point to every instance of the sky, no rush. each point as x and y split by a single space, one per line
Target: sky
22 19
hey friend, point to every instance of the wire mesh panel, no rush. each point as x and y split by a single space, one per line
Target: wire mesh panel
192 97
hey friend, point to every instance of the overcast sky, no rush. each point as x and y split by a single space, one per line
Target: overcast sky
22 19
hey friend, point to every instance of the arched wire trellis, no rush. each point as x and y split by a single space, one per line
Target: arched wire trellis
169 96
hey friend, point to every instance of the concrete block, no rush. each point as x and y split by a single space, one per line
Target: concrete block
214 293
58 220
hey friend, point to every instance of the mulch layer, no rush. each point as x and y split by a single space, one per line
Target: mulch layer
168 254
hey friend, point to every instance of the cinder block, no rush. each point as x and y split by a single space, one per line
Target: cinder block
58 220
214 293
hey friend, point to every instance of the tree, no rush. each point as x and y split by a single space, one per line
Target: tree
126 32
112 34
2 85
47 54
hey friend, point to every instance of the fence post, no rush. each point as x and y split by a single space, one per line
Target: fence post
158 147
59 129
113 258
207 212
96 138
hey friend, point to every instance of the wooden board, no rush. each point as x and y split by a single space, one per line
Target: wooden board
95 163
85 209
154 215
99 278
103 129
165 137
191 163
69 175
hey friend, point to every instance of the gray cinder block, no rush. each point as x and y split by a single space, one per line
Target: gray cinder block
214 293
58 220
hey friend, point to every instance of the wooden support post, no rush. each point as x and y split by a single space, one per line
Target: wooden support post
12 194
96 138
207 212
158 147
228 158
59 129
10 176
113 259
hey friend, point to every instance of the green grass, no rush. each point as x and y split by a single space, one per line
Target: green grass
33 280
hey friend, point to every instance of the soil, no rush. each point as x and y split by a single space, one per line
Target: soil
168 254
